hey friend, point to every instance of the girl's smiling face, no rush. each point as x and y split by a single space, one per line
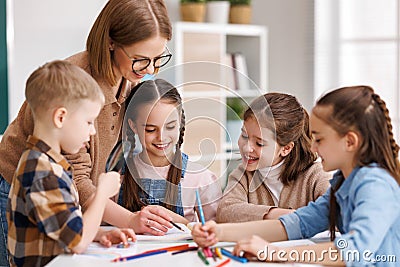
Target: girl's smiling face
158 128
258 147
330 146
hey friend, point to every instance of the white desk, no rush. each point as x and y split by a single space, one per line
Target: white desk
185 259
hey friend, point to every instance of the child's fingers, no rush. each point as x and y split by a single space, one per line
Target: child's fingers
129 233
105 241
200 233
209 226
122 237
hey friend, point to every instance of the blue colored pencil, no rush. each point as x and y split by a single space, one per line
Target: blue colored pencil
228 254
201 213
137 256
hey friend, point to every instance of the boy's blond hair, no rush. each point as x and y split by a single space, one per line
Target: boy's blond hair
60 83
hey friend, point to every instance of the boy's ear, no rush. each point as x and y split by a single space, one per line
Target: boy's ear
59 116
352 141
285 150
132 126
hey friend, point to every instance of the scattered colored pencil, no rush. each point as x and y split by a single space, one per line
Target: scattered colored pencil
141 255
185 250
218 252
169 249
228 254
213 254
202 257
223 263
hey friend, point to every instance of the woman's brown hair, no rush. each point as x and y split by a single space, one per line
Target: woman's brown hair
150 92
288 120
125 22
361 110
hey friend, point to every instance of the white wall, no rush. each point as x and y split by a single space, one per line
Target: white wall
54 29
290 26
291 40
40 31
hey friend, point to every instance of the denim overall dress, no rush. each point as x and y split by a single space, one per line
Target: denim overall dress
153 190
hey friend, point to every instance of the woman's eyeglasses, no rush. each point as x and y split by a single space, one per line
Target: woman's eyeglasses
141 64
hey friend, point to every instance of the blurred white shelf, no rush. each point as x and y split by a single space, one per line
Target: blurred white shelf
215 157
222 93
227 29
201 50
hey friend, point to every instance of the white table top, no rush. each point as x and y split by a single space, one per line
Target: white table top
166 259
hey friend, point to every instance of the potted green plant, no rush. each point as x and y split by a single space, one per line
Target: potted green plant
234 114
240 11
217 11
193 10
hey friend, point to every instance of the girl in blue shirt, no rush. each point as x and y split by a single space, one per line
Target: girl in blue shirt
352 134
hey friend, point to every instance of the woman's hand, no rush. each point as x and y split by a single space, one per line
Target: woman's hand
255 246
152 219
114 236
205 235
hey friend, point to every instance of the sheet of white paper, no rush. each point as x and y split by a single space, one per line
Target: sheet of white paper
293 243
96 250
173 234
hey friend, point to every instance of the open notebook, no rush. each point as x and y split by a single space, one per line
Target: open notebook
172 235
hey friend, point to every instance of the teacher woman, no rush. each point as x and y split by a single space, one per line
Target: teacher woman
127 41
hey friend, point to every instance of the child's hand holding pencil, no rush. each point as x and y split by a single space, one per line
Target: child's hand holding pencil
205 235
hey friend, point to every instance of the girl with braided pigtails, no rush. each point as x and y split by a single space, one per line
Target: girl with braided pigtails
353 135
161 174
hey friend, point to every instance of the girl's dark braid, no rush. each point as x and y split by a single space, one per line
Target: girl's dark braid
183 127
175 171
130 188
383 107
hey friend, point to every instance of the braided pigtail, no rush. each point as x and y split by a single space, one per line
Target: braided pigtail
333 209
393 164
130 187
175 170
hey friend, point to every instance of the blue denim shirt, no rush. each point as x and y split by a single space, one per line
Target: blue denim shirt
369 219
154 190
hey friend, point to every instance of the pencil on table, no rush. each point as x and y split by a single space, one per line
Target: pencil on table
202 257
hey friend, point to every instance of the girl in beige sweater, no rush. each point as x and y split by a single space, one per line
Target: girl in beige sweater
279 172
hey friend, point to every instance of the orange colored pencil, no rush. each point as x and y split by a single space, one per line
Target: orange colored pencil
169 249
223 263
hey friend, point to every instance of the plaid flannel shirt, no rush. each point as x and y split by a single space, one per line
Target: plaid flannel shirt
43 212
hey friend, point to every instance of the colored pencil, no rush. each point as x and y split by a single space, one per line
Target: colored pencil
218 252
228 254
169 249
141 255
185 250
223 263
200 208
176 226
213 254
206 252
202 257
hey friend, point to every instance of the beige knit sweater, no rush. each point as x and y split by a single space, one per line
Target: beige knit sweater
88 163
247 197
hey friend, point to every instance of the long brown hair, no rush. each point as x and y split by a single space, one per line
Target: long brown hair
360 109
289 121
125 22
150 92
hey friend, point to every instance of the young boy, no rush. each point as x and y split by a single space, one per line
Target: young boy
44 217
